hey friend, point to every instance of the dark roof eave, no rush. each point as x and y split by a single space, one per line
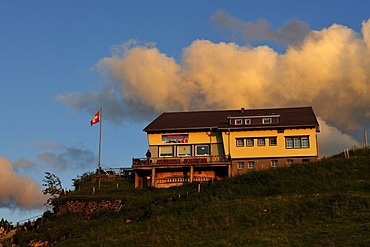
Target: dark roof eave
272 127
180 129
236 128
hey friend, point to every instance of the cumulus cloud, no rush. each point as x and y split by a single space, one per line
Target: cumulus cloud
23 164
18 191
67 158
115 107
292 32
329 70
58 158
332 140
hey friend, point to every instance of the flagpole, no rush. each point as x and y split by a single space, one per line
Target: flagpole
101 120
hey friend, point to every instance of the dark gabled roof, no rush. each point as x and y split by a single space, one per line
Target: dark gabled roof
218 119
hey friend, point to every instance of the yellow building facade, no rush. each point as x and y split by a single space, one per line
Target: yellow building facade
187 147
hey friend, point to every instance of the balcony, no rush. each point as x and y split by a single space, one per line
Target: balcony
181 161
182 180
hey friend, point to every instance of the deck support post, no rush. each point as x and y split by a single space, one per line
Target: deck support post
191 173
137 181
153 176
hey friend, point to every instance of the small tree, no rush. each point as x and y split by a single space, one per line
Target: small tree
53 187
86 177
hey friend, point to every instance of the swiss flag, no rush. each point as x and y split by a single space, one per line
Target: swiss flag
95 119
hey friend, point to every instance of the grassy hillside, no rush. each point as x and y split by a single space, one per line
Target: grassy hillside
318 204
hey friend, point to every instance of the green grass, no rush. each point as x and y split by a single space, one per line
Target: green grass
317 204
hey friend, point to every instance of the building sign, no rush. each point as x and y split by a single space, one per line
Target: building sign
178 138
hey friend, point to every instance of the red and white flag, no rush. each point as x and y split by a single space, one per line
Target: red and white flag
95 119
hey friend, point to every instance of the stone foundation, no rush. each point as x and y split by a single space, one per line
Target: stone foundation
89 207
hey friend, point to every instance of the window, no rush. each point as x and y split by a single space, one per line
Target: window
273 141
250 142
289 142
297 142
240 165
239 142
261 141
289 162
305 143
238 122
274 163
305 160
266 120
247 121
202 150
184 150
166 151
250 164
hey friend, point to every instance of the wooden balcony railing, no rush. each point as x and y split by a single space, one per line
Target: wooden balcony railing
182 180
180 160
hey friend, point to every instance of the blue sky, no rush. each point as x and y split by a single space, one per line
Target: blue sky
62 60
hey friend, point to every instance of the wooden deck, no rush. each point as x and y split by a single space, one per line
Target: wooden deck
181 161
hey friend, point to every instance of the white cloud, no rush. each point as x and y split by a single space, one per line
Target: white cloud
329 70
332 141
66 158
18 191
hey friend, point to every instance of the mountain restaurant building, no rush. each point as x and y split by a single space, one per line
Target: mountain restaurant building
188 147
